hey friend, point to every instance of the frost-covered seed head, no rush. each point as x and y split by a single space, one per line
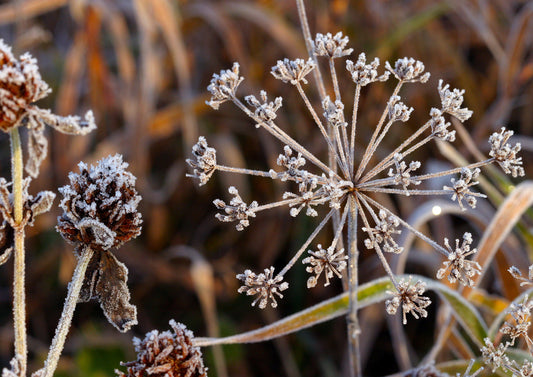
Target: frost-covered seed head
364 74
457 267
409 297
204 162
329 261
398 111
505 154
264 285
494 357
264 110
223 86
331 46
521 315
166 354
402 175
100 205
20 85
408 70
293 71
439 126
236 210
452 100
334 112
382 236
461 188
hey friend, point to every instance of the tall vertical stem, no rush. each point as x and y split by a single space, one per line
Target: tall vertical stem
74 288
19 296
353 282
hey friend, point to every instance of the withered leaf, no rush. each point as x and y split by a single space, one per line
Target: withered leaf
6 242
105 281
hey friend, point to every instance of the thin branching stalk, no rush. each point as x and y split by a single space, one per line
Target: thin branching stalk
74 288
19 296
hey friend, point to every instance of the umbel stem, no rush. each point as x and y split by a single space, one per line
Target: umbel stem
19 296
74 288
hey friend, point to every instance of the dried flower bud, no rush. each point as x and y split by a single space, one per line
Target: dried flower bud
100 212
20 85
204 162
264 110
504 154
408 70
100 205
293 71
439 126
364 74
334 112
264 285
398 111
331 46
223 86
166 354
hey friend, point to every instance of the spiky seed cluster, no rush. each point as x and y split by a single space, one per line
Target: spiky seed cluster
166 354
331 46
398 111
223 86
505 154
204 163
452 100
493 356
293 71
334 112
236 210
382 235
408 70
329 261
461 188
20 86
457 267
521 315
439 126
409 297
265 286
402 175
364 74
264 110
100 205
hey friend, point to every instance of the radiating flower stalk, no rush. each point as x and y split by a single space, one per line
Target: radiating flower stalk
345 189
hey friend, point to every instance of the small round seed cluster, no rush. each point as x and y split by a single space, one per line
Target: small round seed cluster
100 205
166 354
20 85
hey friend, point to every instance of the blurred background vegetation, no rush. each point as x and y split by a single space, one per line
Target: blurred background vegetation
143 67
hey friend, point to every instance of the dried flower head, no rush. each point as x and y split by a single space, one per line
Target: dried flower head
515 272
100 212
409 297
461 188
519 326
347 180
264 285
504 154
457 267
331 46
223 86
328 261
166 354
204 162
293 71
20 86
493 356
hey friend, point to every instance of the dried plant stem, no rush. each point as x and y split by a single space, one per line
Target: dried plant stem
74 288
19 295
353 283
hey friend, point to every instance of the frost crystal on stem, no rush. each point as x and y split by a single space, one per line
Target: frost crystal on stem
457 267
265 285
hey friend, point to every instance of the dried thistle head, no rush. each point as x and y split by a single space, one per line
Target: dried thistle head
100 212
166 354
100 205
20 86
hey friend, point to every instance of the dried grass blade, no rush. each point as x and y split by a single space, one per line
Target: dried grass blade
17 11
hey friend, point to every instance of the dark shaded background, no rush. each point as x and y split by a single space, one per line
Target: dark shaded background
143 67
